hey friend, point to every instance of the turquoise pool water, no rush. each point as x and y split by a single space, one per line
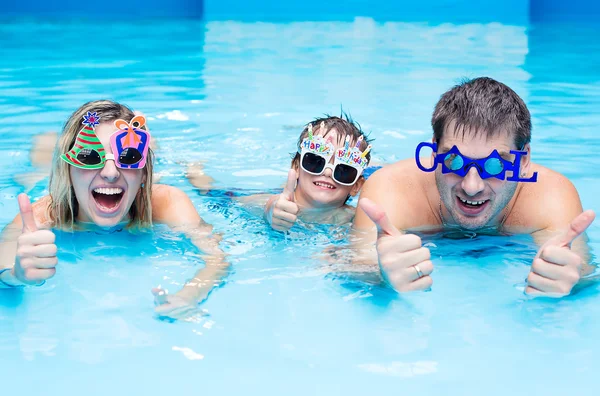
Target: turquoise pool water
234 95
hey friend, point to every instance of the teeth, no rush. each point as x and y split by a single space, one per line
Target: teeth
108 191
472 202
324 185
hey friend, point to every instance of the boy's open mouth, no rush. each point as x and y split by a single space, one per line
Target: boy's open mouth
324 185
108 199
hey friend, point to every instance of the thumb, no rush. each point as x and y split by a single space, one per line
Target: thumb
290 187
576 228
26 213
379 217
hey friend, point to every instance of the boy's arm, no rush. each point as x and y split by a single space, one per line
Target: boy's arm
197 177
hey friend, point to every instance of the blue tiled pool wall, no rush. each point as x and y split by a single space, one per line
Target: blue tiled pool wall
520 12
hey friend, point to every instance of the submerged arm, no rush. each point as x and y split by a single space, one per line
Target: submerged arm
174 208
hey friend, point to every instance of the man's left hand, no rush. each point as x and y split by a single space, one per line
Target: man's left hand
556 268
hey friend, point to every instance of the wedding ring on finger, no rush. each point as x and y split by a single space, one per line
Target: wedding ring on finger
418 270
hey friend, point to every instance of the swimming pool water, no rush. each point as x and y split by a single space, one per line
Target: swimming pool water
235 95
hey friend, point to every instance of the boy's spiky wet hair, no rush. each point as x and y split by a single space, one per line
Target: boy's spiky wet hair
344 125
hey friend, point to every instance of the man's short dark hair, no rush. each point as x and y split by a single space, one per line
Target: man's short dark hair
482 105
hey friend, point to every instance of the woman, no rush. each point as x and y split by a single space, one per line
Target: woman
102 177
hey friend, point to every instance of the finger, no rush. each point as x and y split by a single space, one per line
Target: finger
39 274
400 244
26 213
559 256
39 263
288 206
544 284
576 228
40 237
379 217
426 268
400 261
570 274
423 283
285 216
44 251
532 291
281 225
290 187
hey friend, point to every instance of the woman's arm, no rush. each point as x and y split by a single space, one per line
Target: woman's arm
174 208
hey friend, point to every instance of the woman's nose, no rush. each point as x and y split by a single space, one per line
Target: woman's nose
110 172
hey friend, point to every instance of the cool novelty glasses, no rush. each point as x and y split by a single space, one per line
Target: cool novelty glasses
493 165
348 164
129 145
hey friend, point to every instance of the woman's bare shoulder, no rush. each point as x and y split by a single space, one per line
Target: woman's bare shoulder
41 213
171 204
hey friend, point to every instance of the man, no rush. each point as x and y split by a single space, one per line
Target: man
479 178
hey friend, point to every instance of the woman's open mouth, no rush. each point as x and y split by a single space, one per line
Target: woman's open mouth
108 199
472 207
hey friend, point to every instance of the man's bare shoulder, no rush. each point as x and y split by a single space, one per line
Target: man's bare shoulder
403 191
551 202
400 177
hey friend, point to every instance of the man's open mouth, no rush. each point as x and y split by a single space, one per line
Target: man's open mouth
108 199
472 207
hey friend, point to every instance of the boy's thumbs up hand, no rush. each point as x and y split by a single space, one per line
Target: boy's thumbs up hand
281 214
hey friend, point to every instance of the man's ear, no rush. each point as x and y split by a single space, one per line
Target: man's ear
525 161
357 186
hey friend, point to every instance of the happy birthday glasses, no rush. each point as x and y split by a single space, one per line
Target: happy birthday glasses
348 165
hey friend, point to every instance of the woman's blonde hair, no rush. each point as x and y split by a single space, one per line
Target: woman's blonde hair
63 206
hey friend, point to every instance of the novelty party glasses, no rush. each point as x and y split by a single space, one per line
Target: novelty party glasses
348 164
493 165
129 145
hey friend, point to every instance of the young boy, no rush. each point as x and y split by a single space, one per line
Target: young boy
326 171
